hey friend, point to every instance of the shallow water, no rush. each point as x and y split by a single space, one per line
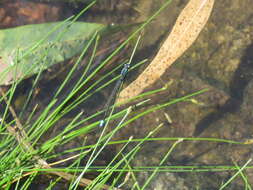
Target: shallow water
220 60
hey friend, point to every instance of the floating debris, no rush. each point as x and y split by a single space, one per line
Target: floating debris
185 31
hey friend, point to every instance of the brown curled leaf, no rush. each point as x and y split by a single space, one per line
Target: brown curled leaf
188 25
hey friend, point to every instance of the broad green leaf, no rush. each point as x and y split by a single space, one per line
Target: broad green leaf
28 49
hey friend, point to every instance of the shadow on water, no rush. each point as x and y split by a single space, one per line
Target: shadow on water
241 78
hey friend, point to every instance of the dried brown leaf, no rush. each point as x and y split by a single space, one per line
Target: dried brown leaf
189 24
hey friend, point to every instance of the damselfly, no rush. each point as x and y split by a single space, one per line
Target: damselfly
117 87
114 93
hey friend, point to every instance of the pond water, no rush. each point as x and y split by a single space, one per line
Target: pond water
221 60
